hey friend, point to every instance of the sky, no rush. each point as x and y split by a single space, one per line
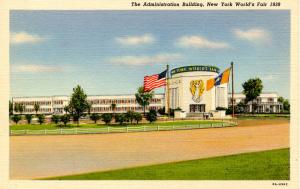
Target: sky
109 52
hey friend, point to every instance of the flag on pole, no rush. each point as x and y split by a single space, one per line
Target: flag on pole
220 79
155 81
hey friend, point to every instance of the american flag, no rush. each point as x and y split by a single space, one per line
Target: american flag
155 81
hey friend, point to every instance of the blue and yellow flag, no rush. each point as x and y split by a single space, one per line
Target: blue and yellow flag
220 79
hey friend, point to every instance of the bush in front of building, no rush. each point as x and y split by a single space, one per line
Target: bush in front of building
137 117
171 110
162 111
55 119
65 119
151 116
129 116
95 117
28 117
106 117
221 108
121 118
16 118
41 118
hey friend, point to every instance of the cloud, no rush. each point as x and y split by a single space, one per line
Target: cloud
269 77
254 35
136 40
199 42
24 37
35 68
145 60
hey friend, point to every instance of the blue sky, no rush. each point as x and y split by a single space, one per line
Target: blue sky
109 52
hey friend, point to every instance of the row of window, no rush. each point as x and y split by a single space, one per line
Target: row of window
258 100
122 109
35 102
104 101
58 102
31 110
108 109
121 101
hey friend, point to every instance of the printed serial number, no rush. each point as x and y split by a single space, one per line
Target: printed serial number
279 183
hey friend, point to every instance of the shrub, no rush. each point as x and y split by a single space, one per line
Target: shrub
151 116
106 118
28 118
16 118
162 111
65 119
221 108
171 112
120 118
137 117
130 116
95 117
55 119
41 118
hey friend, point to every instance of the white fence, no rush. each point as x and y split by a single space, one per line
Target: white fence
118 129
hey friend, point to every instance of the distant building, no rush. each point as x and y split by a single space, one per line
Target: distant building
100 104
265 103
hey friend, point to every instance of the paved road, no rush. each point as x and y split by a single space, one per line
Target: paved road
43 156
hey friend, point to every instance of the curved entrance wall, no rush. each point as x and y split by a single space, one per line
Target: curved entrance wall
188 91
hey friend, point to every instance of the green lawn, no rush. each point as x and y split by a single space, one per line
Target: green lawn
54 126
263 116
266 165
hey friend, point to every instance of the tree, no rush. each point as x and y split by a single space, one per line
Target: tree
55 119
120 118
151 116
41 118
11 108
16 107
28 118
95 117
130 116
252 89
89 107
106 118
36 108
65 119
137 117
143 98
78 103
113 107
286 105
280 99
19 107
16 118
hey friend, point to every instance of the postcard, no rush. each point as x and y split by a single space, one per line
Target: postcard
143 94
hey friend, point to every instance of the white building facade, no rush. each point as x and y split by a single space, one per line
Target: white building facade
100 104
265 103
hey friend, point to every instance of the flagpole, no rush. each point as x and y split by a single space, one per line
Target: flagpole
232 90
167 90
